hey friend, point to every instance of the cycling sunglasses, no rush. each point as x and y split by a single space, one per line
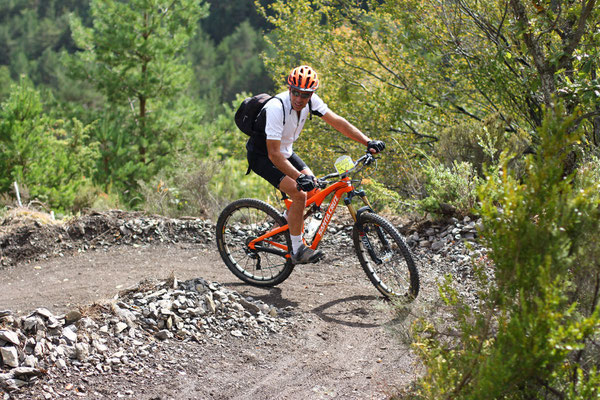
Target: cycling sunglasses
298 93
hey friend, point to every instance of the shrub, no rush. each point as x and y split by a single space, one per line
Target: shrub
181 191
382 199
529 337
230 182
92 197
202 188
479 143
53 158
449 190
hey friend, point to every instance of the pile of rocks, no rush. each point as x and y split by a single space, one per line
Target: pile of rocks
115 227
445 247
122 334
451 248
102 230
34 239
199 310
436 237
453 238
439 237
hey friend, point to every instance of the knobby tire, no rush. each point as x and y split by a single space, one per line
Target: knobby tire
389 265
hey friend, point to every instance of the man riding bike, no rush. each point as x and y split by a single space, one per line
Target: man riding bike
275 160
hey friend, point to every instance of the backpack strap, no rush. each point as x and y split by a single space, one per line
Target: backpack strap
282 106
310 109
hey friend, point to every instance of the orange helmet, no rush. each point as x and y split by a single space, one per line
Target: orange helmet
303 78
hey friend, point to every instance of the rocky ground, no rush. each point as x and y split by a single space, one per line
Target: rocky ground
185 328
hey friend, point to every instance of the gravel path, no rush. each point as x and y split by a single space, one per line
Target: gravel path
323 333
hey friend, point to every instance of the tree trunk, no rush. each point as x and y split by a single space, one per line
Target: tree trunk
596 130
142 125
544 69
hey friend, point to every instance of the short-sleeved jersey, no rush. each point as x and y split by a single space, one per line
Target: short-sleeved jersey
289 132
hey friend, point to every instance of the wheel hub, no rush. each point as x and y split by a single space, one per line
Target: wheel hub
250 252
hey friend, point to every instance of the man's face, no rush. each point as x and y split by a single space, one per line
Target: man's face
299 98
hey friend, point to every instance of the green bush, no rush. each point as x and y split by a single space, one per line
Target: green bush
479 143
91 197
182 191
230 182
52 158
449 190
530 337
202 188
382 199
586 182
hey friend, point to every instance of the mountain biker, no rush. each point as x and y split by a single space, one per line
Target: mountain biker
274 158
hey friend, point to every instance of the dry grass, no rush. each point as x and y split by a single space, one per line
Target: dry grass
20 216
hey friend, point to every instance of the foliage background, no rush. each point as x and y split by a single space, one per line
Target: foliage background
487 108
138 104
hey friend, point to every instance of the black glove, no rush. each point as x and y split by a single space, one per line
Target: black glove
376 145
306 183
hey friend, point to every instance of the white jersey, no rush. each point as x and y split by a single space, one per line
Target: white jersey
289 132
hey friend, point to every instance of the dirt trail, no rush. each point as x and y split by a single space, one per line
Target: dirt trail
345 342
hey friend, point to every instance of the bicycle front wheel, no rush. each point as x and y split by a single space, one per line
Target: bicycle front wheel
240 223
385 258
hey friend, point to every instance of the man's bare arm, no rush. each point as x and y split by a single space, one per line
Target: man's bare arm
279 160
341 125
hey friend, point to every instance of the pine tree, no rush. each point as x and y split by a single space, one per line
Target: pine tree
134 55
52 158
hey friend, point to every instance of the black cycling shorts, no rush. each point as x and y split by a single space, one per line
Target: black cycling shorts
262 165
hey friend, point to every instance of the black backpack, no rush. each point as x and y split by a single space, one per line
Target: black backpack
246 116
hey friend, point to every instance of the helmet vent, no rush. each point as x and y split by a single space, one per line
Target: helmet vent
303 78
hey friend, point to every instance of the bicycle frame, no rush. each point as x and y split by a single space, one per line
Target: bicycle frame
344 185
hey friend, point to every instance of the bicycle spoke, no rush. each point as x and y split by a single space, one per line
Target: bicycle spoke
264 263
385 258
389 266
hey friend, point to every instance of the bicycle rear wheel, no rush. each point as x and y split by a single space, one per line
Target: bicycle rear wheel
243 221
385 258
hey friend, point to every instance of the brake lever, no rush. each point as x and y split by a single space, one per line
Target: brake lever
370 158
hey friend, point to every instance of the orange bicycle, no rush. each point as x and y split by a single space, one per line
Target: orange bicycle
254 241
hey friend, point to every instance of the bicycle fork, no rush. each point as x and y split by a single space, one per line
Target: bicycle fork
364 238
